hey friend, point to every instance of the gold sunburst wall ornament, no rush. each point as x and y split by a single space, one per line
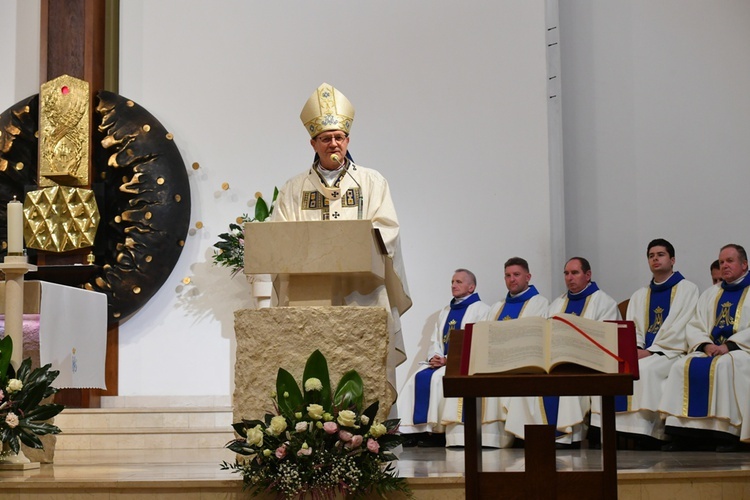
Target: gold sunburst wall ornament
60 218
64 128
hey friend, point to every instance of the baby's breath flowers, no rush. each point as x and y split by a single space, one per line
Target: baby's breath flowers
321 443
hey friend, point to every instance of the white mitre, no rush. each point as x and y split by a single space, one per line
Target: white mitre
327 109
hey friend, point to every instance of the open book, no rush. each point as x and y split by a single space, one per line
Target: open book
538 345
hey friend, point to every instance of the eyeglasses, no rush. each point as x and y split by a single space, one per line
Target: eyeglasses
330 138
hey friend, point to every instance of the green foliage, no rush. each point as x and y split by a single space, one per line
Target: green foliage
305 451
22 416
230 249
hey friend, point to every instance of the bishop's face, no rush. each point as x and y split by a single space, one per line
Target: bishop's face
732 265
329 143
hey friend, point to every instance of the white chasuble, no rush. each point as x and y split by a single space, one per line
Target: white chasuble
729 383
572 410
306 197
494 410
435 410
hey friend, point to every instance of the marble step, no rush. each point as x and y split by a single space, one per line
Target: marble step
145 428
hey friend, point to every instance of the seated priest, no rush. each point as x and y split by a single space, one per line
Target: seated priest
660 312
707 395
569 414
335 188
421 402
522 301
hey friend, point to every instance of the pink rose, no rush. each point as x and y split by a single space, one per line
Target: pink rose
304 451
330 427
373 445
281 452
356 441
345 436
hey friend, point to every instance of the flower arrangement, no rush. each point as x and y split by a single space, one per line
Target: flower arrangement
21 414
230 249
319 442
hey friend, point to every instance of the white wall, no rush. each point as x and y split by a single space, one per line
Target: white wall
19 59
451 108
656 120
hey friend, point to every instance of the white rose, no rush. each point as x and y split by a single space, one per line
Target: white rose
378 430
315 411
300 427
277 426
255 436
12 420
346 418
14 385
364 419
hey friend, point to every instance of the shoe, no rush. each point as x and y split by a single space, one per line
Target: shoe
432 441
411 440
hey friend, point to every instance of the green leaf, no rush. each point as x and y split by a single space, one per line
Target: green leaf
261 210
317 367
241 447
44 412
349 391
30 440
38 428
6 351
24 370
292 401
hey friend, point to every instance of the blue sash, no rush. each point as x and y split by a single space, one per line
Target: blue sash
576 304
514 305
728 303
659 301
423 378
699 371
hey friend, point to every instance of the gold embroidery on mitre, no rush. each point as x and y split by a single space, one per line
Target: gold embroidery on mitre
327 109
64 132
60 218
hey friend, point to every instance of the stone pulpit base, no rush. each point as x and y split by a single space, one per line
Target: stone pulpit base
351 338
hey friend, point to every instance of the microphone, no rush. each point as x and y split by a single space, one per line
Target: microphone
337 159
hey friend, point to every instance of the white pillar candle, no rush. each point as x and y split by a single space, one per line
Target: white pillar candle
15 227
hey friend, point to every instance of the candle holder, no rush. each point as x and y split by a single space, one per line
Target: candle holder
15 267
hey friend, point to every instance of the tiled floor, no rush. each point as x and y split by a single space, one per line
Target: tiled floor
122 466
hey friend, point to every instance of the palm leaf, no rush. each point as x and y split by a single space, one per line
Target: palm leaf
349 391
317 367
289 396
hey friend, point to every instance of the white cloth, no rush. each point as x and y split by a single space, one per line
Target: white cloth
642 416
72 334
474 312
572 410
494 410
341 203
730 383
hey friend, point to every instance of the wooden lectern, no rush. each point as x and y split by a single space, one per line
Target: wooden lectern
540 478
316 263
